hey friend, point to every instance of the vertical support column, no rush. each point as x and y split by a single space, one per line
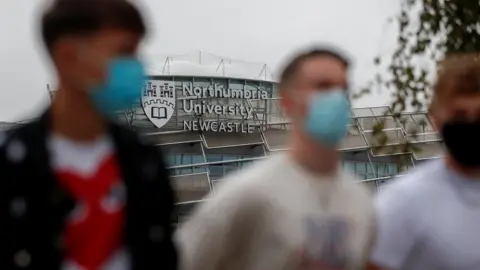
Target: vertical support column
263 125
128 120
370 163
362 133
212 84
166 66
370 152
412 160
176 109
50 92
207 168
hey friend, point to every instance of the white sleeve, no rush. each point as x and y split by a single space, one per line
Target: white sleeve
397 228
207 239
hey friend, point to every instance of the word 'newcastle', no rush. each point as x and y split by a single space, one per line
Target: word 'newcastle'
218 126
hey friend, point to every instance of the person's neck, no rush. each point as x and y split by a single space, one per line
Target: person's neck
314 157
469 173
73 116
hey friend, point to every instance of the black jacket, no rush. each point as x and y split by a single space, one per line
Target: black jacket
31 238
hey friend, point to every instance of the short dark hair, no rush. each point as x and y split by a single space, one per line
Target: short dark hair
296 62
79 17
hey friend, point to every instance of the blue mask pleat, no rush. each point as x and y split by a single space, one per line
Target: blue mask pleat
328 117
122 87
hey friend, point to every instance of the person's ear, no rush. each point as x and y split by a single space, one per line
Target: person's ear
65 51
293 105
287 102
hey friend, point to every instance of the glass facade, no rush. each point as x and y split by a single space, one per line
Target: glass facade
219 168
366 170
216 170
199 156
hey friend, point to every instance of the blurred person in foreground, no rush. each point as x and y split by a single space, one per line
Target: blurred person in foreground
77 190
429 219
296 210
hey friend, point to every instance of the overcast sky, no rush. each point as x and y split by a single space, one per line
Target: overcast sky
252 30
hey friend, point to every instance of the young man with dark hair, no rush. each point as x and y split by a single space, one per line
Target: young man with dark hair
298 209
429 219
78 191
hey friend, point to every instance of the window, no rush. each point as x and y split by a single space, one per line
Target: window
365 170
216 170
185 159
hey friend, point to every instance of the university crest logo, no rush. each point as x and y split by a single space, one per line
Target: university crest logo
158 101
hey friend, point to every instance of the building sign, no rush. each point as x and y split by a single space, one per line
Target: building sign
159 101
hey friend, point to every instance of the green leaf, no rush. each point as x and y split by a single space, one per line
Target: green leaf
438 27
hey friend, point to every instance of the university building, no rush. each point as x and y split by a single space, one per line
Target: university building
212 118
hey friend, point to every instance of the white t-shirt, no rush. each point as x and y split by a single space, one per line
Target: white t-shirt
429 220
276 215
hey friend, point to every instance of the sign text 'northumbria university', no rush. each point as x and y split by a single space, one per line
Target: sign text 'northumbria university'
200 103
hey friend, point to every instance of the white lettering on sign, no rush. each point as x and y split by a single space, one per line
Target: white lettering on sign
159 102
202 107
218 126
217 91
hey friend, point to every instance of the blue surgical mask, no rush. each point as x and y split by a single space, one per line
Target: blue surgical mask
328 116
121 88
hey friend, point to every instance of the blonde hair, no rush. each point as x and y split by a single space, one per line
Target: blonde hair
458 75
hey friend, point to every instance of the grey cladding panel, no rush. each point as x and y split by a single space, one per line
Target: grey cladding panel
276 139
393 137
185 148
390 150
217 185
389 122
367 123
214 140
424 137
237 151
353 140
174 138
191 187
428 150
371 185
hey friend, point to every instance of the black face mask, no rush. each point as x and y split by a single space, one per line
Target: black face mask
462 139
